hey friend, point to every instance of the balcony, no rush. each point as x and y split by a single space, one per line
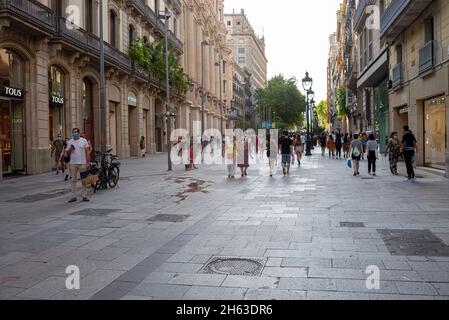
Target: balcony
31 12
399 15
397 75
360 12
427 57
152 18
82 40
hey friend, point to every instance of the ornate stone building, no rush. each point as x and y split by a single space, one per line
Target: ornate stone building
49 73
208 62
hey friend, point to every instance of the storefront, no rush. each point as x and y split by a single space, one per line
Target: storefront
133 140
435 132
12 112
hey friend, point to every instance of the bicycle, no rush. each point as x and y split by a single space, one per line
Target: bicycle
107 169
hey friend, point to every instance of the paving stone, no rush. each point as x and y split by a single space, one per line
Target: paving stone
180 267
306 262
159 277
45 289
442 288
211 280
418 288
212 293
307 284
262 282
351 285
336 273
329 295
166 291
285 272
269 294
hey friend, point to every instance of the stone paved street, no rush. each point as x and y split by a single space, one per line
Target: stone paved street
315 233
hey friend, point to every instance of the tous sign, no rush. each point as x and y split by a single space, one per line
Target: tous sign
57 100
11 92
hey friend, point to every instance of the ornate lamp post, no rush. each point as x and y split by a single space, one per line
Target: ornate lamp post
307 83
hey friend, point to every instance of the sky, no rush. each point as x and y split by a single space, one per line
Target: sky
296 34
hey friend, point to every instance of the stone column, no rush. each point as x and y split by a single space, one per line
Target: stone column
191 45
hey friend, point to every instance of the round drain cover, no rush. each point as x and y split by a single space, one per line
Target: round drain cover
235 266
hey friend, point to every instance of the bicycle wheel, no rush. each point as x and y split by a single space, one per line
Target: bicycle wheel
113 176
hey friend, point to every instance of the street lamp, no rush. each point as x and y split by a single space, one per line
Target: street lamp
202 93
307 85
166 16
218 64
312 125
102 84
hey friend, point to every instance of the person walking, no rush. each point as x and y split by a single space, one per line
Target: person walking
79 151
286 149
356 154
364 139
323 142
330 144
338 146
298 149
245 165
394 152
65 159
142 146
346 146
372 154
231 154
57 146
409 151
271 160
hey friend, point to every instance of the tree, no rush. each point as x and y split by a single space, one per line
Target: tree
151 57
283 97
321 109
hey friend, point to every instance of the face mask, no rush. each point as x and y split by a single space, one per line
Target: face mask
75 136
395 137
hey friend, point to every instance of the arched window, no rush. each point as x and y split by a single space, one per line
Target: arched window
87 99
113 28
12 69
56 81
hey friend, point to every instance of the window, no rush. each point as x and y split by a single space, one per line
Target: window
131 34
242 60
89 16
428 30
241 50
224 66
175 26
239 23
12 69
113 28
225 83
229 23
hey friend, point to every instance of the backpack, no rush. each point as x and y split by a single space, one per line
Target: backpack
356 152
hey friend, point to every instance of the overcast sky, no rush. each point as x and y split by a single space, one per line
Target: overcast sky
296 35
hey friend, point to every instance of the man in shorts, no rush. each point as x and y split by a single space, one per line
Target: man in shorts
286 149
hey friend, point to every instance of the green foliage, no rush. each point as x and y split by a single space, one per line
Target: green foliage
321 109
283 97
151 57
341 103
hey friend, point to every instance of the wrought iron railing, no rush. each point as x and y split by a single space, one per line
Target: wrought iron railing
30 10
391 13
427 56
90 43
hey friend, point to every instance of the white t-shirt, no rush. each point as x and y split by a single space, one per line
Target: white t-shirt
78 156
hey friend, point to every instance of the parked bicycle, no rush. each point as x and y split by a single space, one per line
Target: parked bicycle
107 169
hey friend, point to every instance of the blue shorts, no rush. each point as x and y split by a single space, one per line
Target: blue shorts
286 158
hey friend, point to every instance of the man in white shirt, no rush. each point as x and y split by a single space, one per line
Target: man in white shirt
79 150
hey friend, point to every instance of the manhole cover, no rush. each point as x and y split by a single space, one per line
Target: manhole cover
414 243
39 197
93 212
352 225
168 218
234 266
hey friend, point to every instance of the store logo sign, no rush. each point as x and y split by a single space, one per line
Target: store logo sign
57 100
11 92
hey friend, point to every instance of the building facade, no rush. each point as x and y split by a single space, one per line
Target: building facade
208 62
248 51
417 33
50 81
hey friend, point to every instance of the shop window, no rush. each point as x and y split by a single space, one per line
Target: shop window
12 69
56 103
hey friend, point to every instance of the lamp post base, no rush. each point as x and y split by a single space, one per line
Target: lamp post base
308 148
